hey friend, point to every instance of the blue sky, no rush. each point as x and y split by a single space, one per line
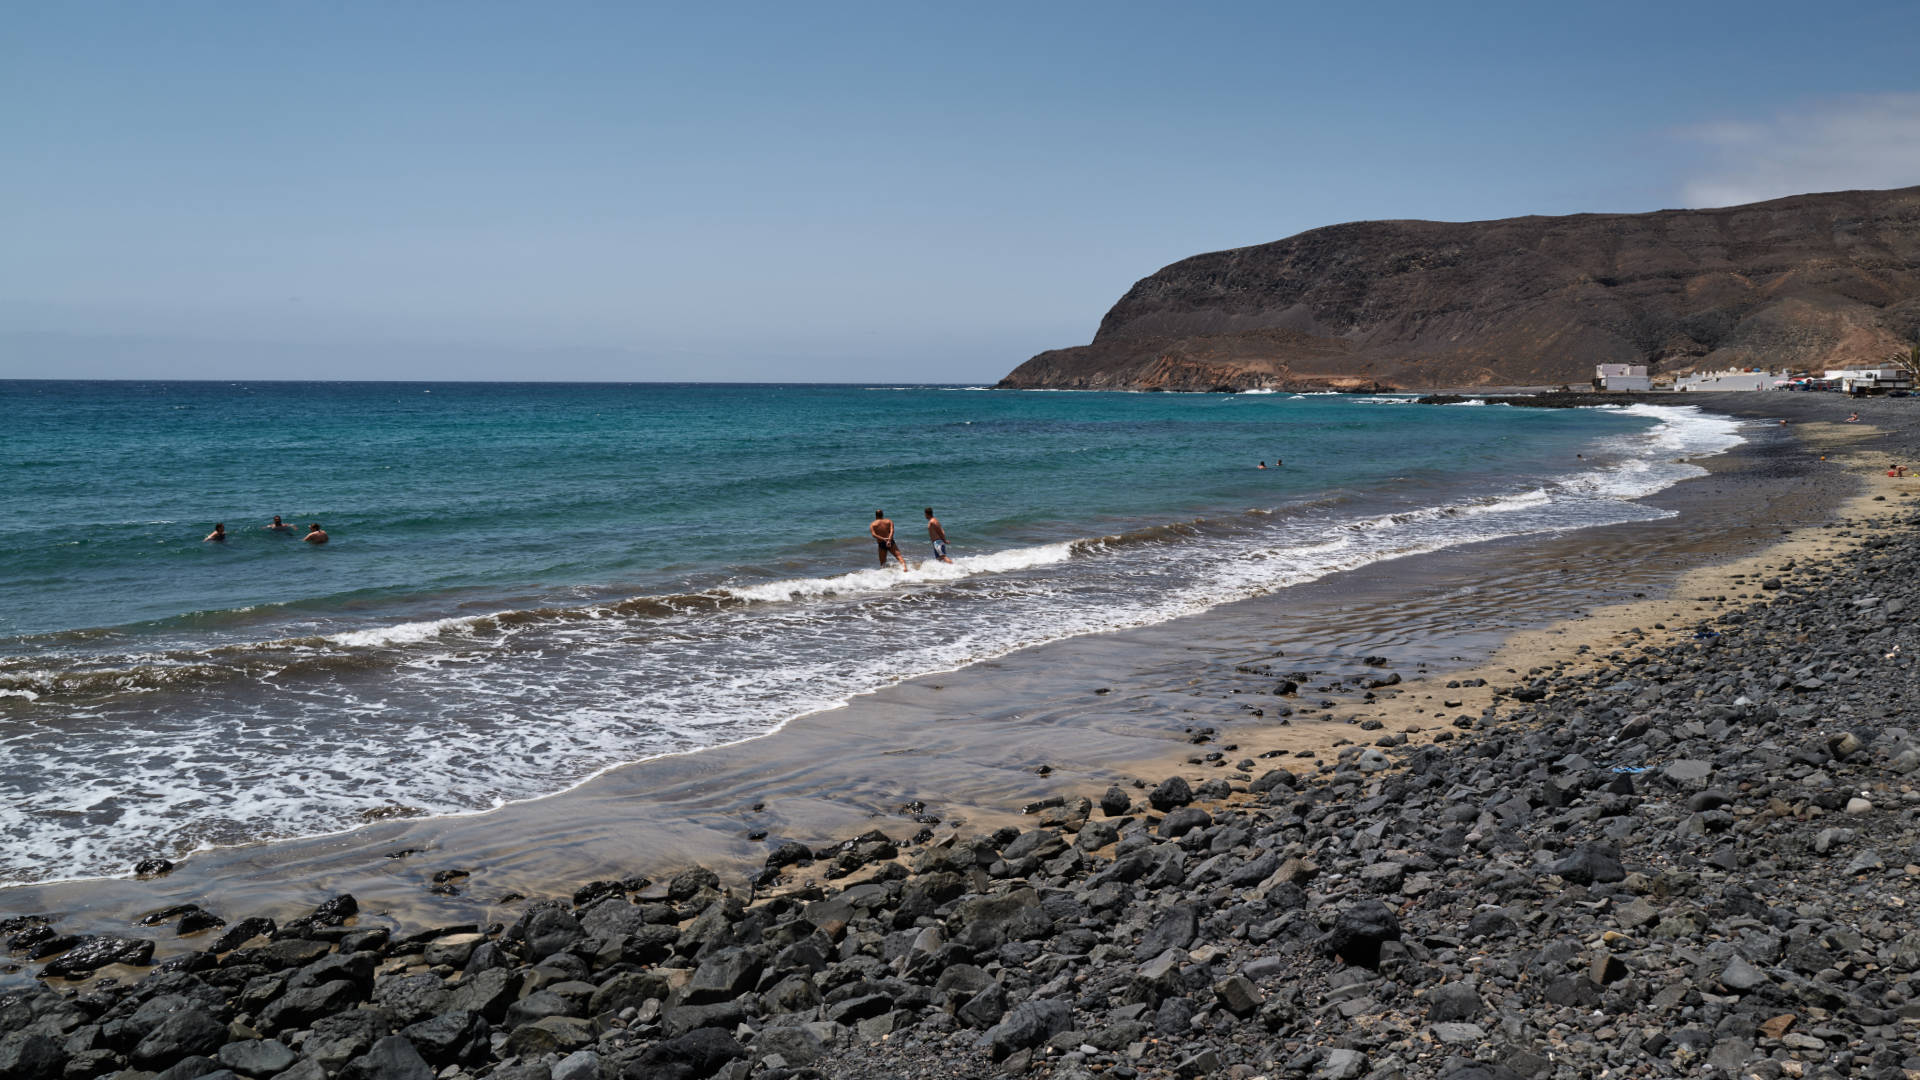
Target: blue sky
912 193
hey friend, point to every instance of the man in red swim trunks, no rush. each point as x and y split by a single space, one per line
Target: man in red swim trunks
882 533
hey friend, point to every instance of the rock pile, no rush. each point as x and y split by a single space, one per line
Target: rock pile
1695 859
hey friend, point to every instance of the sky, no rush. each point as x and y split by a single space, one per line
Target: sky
830 192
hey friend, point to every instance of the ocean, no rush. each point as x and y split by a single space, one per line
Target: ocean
530 584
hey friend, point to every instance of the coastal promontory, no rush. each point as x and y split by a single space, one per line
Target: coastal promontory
1810 281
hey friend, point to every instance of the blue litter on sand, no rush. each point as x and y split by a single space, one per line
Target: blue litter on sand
1629 768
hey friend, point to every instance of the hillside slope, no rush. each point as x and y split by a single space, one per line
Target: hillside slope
1809 281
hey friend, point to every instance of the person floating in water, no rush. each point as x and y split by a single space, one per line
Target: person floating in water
882 532
1262 465
315 534
279 526
218 535
936 534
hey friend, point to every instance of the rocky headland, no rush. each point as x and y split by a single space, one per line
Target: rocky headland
1683 847
1808 282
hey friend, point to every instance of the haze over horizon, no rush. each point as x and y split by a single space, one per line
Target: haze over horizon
856 194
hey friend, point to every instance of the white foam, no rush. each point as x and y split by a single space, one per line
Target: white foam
403 634
892 577
1506 504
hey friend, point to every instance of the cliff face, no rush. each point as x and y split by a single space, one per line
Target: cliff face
1811 281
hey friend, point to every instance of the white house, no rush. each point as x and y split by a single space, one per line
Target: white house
1870 378
1730 379
1621 377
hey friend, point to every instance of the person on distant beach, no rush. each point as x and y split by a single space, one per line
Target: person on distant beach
1853 418
882 532
936 534
279 526
218 535
315 534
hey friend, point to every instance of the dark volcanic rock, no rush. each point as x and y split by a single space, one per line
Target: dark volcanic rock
1170 793
1588 865
1359 931
692 1056
391 1058
242 932
97 952
1453 1001
189 1031
1173 928
1807 282
256 1057
1029 1024
457 1037
28 1055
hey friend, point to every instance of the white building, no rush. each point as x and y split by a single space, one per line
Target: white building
1870 378
1621 377
1730 379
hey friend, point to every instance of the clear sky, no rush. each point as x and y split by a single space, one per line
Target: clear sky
884 192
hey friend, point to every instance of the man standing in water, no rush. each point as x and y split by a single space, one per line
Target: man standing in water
279 526
938 535
882 532
218 535
315 534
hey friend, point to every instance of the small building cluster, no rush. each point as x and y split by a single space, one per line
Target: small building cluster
1621 377
1870 379
1860 380
1730 379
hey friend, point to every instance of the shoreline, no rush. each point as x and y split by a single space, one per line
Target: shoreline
1651 849
706 807
1506 901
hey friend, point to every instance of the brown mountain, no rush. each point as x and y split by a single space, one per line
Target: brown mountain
1810 281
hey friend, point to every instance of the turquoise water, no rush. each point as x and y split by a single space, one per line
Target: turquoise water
531 583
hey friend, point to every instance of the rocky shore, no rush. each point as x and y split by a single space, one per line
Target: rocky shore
1690 853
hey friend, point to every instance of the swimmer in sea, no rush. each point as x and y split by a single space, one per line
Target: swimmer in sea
882 532
218 535
1262 465
315 534
936 534
279 526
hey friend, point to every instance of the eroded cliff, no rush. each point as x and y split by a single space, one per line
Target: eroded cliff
1810 281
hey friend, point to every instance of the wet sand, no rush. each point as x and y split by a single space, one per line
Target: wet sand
971 745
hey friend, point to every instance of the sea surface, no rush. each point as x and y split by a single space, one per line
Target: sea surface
529 584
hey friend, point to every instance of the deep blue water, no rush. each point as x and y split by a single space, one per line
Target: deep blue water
529 583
